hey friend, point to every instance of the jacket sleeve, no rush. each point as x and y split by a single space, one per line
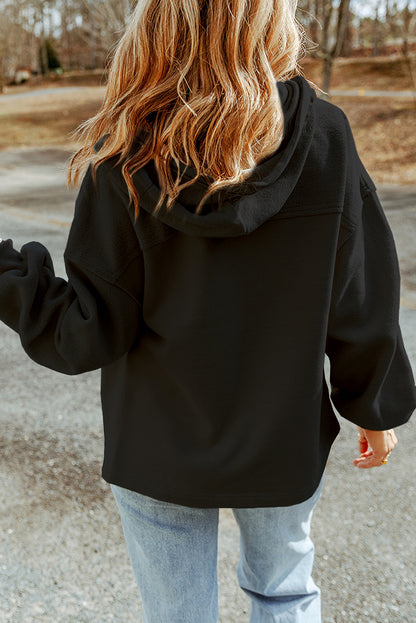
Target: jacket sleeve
372 383
93 318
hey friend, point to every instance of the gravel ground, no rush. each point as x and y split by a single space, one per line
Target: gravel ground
62 553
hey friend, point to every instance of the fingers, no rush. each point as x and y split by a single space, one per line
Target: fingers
362 445
393 438
362 441
375 447
368 460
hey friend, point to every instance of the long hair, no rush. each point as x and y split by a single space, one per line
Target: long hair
196 81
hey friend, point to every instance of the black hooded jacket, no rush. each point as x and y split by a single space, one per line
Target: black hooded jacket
211 329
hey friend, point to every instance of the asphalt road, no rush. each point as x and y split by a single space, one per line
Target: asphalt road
62 554
32 92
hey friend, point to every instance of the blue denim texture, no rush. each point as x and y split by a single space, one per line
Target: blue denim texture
173 552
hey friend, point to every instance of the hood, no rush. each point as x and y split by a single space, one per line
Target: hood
242 208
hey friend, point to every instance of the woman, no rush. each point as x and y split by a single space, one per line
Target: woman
226 236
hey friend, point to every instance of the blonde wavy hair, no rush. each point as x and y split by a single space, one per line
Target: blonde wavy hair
196 79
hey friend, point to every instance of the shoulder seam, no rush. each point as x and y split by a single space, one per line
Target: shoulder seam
109 280
105 275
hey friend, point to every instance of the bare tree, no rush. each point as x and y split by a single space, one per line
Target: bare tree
17 40
307 14
4 46
378 32
40 8
401 23
408 22
67 22
331 51
326 22
86 30
408 26
103 22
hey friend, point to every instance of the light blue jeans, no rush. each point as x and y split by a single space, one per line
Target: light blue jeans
173 551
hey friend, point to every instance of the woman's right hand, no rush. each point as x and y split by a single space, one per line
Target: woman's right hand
375 447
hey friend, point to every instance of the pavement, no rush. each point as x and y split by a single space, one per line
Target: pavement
62 553
49 91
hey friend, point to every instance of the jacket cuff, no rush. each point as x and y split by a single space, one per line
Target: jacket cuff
9 257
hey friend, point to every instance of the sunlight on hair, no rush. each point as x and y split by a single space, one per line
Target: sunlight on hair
194 81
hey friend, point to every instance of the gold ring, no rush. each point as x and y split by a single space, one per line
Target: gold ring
386 458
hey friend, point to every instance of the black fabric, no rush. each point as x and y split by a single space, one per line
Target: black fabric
211 330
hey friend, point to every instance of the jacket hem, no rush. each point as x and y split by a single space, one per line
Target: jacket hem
265 499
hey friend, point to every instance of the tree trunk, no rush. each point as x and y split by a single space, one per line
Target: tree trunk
330 53
43 52
327 74
342 25
327 9
412 71
376 35
347 42
407 19
66 32
2 79
314 23
44 65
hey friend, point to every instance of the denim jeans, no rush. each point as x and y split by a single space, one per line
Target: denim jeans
173 551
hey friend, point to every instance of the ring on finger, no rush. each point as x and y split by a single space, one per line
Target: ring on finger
386 458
